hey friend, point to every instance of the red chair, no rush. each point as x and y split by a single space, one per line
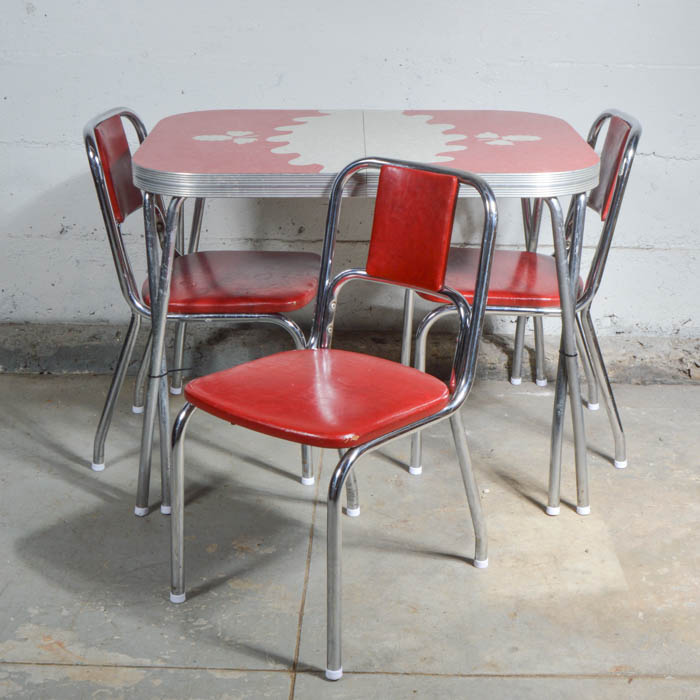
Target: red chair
349 401
230 286
525 283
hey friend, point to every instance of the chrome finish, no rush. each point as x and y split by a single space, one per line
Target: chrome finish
540 371
518 347
585 355
160 290
155 225
256 185
567 279
464 364
604 384
408 306
352 492
532 217
177 516
465 465
98 450
140 384
178 358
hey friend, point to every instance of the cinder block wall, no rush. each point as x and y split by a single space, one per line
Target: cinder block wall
64 62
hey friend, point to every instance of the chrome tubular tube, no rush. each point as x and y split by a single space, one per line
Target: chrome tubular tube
196 231
307 465
558 413
98 449
585 354
516 372
416 464
481 558
177 517
160 293
140 384
178 359
604 383
408 306
334 569
352 492
568 352
540 371
165 453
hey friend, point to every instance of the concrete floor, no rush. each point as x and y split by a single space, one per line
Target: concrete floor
602 606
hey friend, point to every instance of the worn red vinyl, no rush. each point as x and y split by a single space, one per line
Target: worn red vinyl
517 278
412 227
116 166
326 398
227 281
600 198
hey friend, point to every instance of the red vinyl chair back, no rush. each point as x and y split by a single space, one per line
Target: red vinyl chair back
412 227
115 156
616 157
600 198
109 157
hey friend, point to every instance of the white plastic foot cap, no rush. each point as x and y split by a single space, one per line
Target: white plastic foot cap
175 390
137 409
416 471
352 512
481 563
308 480
178 597
592 406
553 510
165 510
541 382
334 675
101 466
620 464
516 381
140 511
583 510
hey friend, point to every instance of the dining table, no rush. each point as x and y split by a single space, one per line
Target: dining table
283 153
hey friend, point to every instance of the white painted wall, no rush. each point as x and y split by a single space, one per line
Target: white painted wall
63 61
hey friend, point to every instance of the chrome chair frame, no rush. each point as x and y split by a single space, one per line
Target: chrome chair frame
140 310
463 371
587 341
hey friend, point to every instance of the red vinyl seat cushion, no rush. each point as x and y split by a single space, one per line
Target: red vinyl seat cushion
326 398
224 281
517 278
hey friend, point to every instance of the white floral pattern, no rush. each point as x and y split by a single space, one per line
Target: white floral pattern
492 139
239 137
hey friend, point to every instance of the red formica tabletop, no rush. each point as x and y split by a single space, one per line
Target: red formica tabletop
297 153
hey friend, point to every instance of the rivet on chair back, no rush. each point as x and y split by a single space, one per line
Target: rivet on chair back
600 199
409 204
116 164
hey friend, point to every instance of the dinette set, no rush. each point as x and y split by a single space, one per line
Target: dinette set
416 165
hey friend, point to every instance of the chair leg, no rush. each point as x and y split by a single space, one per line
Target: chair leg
540 373
604 383
518 346
98 449
177 517
176 375
481 559
307 466
165 451
334 546
559 412
408 306
352 493
584 353
140 385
